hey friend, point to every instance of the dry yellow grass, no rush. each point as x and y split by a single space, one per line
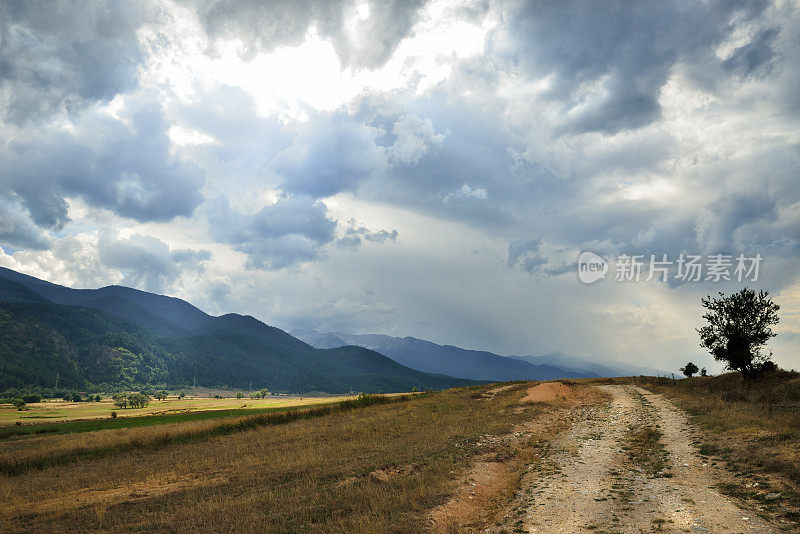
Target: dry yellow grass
38 449
310 474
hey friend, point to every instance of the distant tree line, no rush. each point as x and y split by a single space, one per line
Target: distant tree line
262 393
131 400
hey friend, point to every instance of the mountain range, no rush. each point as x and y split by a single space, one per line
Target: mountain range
472 364
121 337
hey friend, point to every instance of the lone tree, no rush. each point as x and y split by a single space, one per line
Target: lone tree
738 328
689 369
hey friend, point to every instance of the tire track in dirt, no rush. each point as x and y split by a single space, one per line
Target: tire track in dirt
589 483
480 495
569 491
689 500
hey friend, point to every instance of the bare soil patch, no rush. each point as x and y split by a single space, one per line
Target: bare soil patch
548 392
384 475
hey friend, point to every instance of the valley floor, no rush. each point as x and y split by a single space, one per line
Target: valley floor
520 457
51 414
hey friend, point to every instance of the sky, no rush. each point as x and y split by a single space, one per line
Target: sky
422 168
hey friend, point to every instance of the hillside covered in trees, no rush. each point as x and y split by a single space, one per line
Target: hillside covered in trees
120 337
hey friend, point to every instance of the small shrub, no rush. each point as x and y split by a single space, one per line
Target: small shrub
113 415
689 369
768 367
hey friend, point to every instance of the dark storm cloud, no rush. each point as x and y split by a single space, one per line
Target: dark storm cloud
121 165
758 53
468 156
444 156
60 60
291 231
718 225
607 61
264 26
18 230
147 262
294 215
66 55
400 157
330 154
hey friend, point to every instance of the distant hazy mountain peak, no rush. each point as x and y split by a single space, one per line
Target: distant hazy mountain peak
450 360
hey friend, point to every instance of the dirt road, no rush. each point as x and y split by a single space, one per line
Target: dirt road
597 477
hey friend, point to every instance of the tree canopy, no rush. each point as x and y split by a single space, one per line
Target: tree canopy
738 329
689 369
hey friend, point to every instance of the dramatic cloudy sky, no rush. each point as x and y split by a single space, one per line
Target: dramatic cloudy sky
408 167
